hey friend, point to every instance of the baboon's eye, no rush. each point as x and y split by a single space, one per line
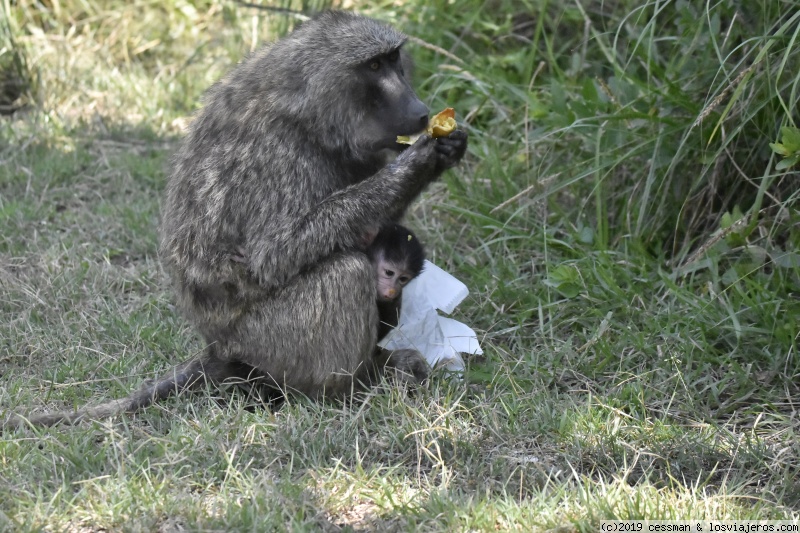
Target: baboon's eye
389 273
403 279
375 65
393 56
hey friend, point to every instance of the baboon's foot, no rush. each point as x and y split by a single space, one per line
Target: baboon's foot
408 366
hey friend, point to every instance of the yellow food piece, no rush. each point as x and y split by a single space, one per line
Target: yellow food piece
408 139
441 125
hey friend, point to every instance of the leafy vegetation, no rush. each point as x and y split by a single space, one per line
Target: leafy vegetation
626 220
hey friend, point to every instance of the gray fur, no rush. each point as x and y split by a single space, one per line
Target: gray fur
285 166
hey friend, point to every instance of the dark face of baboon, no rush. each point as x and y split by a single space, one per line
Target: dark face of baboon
392 106
262 229
373 77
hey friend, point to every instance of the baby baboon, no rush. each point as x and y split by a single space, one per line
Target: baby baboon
397 256
287 163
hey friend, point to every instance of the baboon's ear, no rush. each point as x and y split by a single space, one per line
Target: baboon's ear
408 64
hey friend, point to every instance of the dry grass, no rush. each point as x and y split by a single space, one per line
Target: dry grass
611 387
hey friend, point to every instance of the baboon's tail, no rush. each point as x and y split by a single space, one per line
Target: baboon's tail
185 376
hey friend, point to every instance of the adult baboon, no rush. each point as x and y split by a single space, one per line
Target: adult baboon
286 166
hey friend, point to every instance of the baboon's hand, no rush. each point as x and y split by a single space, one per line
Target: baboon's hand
434 156
367 238
450 150
410 366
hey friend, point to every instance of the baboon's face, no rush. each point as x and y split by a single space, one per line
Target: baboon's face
392 106
392 277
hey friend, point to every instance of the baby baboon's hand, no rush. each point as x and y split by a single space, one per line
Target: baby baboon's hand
367 238
240 256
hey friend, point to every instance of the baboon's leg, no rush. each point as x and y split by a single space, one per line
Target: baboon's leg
314 334
408 365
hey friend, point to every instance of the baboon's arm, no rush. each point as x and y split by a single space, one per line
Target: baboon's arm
278 252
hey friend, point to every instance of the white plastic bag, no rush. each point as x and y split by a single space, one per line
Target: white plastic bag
441 340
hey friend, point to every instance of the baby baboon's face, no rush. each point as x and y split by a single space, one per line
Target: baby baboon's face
392 277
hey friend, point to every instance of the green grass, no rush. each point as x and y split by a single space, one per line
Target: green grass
628 234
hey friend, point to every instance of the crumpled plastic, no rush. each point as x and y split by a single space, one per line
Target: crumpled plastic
440 339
